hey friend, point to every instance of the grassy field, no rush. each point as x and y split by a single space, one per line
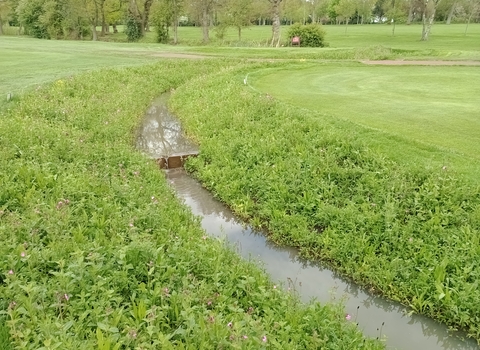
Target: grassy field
431 106
447 41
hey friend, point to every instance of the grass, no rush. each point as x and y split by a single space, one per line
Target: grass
79 202
28 62
427 106
408 232
97 252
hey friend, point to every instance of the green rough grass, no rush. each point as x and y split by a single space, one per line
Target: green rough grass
101 253
428 107
411 233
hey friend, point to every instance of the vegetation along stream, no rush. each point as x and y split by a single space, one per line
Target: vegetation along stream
161 134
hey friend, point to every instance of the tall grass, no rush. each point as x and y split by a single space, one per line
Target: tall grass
97 252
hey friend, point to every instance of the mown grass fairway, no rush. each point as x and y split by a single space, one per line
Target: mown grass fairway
432 105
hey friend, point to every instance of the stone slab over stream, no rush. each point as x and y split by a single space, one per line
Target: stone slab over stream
376 316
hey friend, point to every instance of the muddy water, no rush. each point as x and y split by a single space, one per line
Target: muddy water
375 316
160 134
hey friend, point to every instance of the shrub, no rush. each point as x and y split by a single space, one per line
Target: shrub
133 29
311 35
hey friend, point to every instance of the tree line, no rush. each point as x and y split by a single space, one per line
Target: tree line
89 19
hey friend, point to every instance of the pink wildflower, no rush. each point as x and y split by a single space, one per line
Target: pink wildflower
10 272
264 338
23 254
348 317
230 324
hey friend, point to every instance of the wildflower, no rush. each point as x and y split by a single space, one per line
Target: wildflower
230 324
130 224
250 310
264 338
10 272
204 237
133 333
410 239
211 319
12 305
209 303
66 297
245 337
60 204
348 317
165 290
23 254
274 287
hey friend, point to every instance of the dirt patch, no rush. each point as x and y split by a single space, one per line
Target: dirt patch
422 63
179 55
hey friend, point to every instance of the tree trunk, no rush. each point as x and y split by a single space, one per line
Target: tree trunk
346 25
427 25
468 22
115 30
1 26
239 33
276 22
206 37
102 15
393 28
451 12
175 23
145 16
94 32
410 14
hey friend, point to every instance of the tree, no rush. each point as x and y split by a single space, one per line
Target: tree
5 9
293 10
236 13
29 13
365 8
471 9
394 10
428 16
275 8
346 9
166 13
261 11
202 10
138 14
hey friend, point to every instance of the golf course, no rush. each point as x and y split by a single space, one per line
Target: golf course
364 155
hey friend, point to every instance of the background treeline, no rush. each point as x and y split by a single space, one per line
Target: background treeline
89 19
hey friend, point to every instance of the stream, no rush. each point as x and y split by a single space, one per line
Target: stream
160 134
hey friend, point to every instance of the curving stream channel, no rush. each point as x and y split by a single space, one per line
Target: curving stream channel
160 134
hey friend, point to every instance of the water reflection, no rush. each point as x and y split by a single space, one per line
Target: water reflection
160 134
376 317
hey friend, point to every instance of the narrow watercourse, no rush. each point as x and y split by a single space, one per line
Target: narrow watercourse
160 137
